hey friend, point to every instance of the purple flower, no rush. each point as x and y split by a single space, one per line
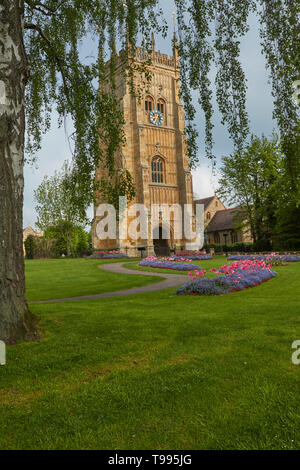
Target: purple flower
153 262
221 285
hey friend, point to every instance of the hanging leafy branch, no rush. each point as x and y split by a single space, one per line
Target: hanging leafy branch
231 24
210 32
60 78
280 33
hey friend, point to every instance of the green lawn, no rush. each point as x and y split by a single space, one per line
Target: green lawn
55 279
156 371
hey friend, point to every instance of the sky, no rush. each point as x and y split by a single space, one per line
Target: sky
55 145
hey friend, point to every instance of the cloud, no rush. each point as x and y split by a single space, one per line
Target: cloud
205 181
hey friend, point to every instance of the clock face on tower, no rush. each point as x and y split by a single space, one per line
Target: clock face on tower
156 117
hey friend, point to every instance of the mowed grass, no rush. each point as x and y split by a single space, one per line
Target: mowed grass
156 371
56 279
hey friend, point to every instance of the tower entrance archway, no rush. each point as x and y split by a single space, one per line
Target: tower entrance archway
161 242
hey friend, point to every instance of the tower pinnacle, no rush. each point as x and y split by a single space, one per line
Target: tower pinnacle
153 42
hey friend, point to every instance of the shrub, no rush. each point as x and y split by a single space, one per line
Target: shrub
187 253
79 241
29 247
191 257
41 247
45 248
233 248
191 254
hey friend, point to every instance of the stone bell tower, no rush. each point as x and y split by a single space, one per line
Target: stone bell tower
155 152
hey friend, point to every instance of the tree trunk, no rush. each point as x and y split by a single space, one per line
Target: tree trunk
16 322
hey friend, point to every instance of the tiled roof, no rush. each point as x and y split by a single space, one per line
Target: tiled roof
30 231
206 201
224 220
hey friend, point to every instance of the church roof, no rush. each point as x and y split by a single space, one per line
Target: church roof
206 201
30 231
225 220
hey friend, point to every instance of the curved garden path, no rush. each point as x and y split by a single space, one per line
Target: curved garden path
170 280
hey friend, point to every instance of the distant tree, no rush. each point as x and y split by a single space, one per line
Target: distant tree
29 247
41 247
287 233
80 241
78 244
249 179
56 206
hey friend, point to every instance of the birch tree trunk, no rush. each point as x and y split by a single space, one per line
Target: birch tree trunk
16 322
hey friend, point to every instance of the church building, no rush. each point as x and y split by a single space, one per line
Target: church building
155 152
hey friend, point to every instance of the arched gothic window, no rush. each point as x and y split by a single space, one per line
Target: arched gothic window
161 105
217 237
234 237
208 216
149 103
157 168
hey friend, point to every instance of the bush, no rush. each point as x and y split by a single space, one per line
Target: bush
80 245
233 248
29 247
192 257
262 245
188 253
80 242
46 248
41 247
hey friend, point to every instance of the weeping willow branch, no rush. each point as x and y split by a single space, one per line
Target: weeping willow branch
280 34
60 78
209 33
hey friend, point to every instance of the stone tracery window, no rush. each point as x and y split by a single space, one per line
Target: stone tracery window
217 237
161 105
157 169
149 103
234 237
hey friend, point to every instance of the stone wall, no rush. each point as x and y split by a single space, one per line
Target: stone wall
144 141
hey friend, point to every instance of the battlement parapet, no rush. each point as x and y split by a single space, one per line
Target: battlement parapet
155 57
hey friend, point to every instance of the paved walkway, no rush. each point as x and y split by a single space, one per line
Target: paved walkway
170 280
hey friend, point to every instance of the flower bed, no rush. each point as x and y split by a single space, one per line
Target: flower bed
168 263
108 255
236 277
190 252
273 257
192 255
